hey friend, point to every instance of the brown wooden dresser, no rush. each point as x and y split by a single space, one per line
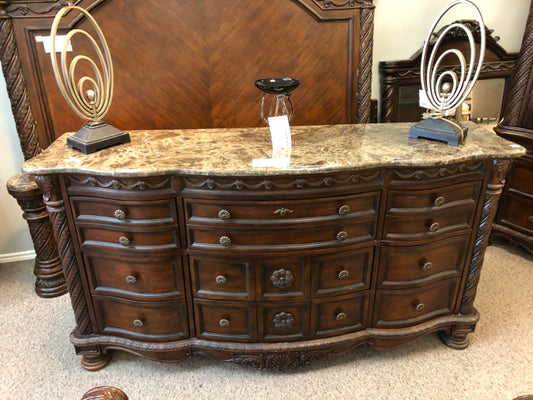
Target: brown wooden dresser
514 221
175 245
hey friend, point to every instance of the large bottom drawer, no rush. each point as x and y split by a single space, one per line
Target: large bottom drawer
147 321
405 307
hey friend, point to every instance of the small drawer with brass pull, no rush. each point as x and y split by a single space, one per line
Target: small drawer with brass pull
285 321
239 211
145 213
403 266
134 238
281 278
405 307
342 272
331 316
134 277
223 321
142 320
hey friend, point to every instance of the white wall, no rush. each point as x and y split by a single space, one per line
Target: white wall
400 29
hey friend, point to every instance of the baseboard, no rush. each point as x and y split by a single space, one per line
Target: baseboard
20 256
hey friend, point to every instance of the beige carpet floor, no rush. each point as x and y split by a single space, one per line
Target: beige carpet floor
38 361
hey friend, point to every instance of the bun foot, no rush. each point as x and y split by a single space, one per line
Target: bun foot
457 342
105 393
95 362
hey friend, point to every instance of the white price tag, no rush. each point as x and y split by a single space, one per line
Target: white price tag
280 132
423 100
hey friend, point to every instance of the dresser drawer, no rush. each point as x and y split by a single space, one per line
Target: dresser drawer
233 238
283 321
135 277
342 272
146 212
222 277
132 238
520 178
416 265
397 308
212 211
280 278
346 314
235 321
399 201
517 213
150 321
421 225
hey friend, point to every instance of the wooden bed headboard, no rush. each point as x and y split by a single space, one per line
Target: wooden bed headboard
192 64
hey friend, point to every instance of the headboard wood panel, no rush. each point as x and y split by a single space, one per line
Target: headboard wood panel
192 64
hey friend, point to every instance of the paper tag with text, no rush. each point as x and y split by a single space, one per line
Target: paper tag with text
423 100
280 132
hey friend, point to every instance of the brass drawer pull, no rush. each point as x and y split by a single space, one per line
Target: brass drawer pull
344 274
439 201
344 210
283 321
131 279
221 280
282 278
225 241
282 212
224 214
341 316
427 266
434 227
342 235
530 219
120 214
224 323
420 307
138 323
124 241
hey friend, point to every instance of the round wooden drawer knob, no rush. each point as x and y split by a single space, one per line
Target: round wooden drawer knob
224 323
131 279
225 241
138 323
124 241
341 316
221 280
120 214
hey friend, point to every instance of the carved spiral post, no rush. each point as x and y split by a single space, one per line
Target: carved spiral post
50 281
93 358
365 63
457 338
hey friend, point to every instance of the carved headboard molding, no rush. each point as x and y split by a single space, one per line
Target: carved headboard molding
330 51
396 74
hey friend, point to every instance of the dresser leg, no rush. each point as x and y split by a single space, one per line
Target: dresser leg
95 361
457 336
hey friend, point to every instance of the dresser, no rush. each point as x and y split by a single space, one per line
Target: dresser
175 245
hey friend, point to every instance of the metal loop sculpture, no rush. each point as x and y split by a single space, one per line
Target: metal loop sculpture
446 91
92 103
89 97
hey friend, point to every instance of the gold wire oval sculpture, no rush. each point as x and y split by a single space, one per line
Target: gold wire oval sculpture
89 97
460 87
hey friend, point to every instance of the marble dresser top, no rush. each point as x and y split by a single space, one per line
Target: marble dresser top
315 149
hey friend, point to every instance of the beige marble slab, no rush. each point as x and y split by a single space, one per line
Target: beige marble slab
220 152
